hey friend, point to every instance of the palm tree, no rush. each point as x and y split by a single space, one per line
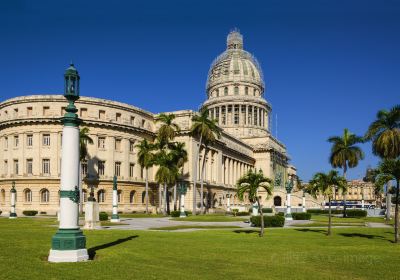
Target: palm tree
145 159
180 156
325 185
389 169
207 131
84 140
384 133
345 154
168 129
250 183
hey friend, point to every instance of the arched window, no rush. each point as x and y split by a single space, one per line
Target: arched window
225 91
143 197
3 196
119 194
84 195
28 195
246 91
132 197
277 201
101 196
44 196
236 90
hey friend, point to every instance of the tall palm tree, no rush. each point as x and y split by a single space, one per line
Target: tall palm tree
168 129
389 169
180 156
84 140
325 184
145 159
250 183
384 133
345 154
207 131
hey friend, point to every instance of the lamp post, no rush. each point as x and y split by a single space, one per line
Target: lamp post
289 188
69 243
114 216
228 202
304 202
13 192
182 189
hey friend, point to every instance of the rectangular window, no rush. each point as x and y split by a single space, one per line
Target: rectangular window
131 169
46 139
132 120
29 140
5 142
236 114
16 141
143 123
102 115
217 114
118 144
131 146
5 167
83 113
223 114
117 169
46 111
101 167
16 167
15 112
46 166
102 143
84 168
118 117
29 166
29 111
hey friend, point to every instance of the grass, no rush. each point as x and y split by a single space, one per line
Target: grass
140 215
210 218
301 253
108 224
323 224
194 227
324 218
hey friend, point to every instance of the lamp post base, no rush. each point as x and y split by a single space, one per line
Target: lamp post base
288 217
13 216
182 215
59 256
115 218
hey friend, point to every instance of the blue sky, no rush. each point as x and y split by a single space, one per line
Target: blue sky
327 64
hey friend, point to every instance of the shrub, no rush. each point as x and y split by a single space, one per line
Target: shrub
42 213
235 211
103 216
267 210
356 213
30 212
1 212
324 211
269 221
280 214
177 214
242 213
301 216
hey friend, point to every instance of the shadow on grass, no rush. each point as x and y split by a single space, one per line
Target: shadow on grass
92 251
247 231
312 230
368 236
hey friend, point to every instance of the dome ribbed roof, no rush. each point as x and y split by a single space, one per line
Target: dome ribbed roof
235 65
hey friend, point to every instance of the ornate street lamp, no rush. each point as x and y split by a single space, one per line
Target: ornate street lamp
13 192
69 243
289 187
304 202
115 216
182 189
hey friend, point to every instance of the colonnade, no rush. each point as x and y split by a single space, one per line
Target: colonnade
249 115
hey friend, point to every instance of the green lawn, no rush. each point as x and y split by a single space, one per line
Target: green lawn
194 227
324 218
108 224
140 215
210 218
351 253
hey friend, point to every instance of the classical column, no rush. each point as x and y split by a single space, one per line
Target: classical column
69 243
13 192
247 115
115 216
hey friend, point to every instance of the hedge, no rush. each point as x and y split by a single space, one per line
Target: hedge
269 221
301 216
356 213
267 210
324 211
176 214
30 212
103 216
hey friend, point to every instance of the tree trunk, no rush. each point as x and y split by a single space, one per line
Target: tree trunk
261 217
147 191
396 215
195 175
202 182
330 219
165 199
345 193
160 198
388 201
175 197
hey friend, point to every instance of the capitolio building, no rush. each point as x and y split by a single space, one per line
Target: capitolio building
31 133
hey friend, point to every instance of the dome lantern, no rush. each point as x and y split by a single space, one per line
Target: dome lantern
234 40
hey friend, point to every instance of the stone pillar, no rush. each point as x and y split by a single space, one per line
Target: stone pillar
91 215
13 192
69 243
228 202
115 216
